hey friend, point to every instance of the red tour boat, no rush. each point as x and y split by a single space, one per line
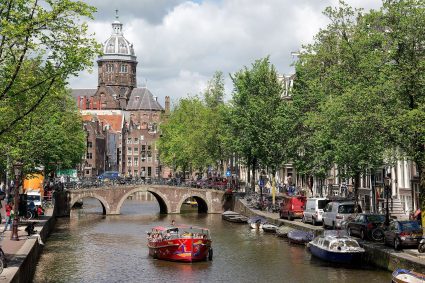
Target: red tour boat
180 243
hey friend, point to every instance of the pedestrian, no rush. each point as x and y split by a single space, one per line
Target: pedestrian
9 216
417 216
40 210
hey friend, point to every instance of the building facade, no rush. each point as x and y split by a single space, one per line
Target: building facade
126 118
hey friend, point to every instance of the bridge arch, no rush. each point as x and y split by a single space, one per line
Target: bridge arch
163 204
103 202
202 203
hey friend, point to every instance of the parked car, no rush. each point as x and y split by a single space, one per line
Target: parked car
314 210
292 207
109 175
337 212
403 233
364 224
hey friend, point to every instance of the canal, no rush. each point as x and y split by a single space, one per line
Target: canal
89 247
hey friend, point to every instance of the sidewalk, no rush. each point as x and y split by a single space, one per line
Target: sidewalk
17 252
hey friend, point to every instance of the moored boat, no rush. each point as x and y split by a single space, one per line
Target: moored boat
283 231
407 276
300 237
256 222
337 248
235 217
270 228
180 243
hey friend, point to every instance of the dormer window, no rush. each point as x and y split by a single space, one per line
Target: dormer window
137 98
124 68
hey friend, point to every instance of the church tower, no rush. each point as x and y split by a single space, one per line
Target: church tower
117 66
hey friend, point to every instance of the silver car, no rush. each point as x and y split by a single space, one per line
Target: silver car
337 212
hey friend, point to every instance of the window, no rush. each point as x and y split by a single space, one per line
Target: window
149 171
143 148
142 138
124 68
89 155
129 161
136 140
129 150
136 161
109 68
136 151
136 173
89 144
157 171
128 140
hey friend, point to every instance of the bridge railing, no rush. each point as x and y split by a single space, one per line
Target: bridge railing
89 183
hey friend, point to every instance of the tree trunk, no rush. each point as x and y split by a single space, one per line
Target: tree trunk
421 171
310 184
248 181
356 190
274 186
254 167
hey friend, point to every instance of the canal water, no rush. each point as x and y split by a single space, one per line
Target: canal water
89 247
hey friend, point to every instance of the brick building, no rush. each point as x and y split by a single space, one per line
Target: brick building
124 119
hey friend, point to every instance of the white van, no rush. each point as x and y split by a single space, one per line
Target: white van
337 212
34 196
314 210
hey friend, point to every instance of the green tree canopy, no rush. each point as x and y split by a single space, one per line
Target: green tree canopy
42 43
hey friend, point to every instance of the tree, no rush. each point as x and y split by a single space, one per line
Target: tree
342 76
41 44
49 136
194 136
404 23
255 115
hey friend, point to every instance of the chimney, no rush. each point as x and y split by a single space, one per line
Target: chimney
156 98
167 105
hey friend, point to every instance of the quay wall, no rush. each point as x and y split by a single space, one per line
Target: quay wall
376 253
26 259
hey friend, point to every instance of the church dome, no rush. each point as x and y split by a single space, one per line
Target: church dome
116 46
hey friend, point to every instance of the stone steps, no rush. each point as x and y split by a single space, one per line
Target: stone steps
397 209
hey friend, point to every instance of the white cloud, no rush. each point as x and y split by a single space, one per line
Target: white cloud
180 44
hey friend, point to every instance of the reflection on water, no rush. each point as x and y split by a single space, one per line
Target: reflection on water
89 247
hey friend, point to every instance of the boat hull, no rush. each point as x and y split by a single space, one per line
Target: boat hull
184 250
299 237
335 257
407 276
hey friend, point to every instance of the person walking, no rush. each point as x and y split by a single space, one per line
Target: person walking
9 216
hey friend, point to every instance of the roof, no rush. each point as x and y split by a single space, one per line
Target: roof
117 45
115 121
142 99
83 92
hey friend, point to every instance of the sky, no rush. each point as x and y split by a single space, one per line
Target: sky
180 44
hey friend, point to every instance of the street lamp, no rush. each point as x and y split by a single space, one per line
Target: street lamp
387 191
17 168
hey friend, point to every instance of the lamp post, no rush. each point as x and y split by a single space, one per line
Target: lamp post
17 168
387 190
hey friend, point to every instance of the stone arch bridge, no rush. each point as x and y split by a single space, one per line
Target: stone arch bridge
170 198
